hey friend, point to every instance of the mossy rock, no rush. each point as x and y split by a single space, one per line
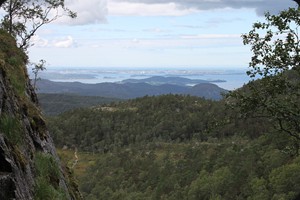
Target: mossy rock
10 50
13 61
11 128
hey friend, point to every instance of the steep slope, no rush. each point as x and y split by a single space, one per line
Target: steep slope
29 165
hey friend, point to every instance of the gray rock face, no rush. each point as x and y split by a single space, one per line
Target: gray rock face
23 133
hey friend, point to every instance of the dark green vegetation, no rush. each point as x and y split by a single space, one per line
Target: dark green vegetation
12 129
168 118
129 90
177 147
54 104
228 169
276 57
161 80
47 181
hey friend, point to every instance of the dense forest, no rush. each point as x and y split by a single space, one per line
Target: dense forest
54 104
166 118
177 147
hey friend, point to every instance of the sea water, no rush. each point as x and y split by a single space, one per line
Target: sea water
229 78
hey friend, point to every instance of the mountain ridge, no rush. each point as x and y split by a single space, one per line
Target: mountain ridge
174 80
129 90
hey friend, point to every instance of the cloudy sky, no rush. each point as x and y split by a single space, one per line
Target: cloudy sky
152 33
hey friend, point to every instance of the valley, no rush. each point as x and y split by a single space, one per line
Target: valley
174 147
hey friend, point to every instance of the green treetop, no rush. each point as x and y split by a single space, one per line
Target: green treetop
276 61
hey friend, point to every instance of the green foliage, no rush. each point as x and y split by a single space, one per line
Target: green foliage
36 69
171 118
18 81
276 57
46 166
275 44
54 104
285 181
11 128
23 18
45 191
175 147
9 50
47 178
211 186
259 189
13 62
166 118
223 170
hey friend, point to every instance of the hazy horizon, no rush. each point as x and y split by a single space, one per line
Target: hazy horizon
233 77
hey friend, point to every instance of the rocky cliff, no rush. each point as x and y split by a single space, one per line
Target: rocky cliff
29 165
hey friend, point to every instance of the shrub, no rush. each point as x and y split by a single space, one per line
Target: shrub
11 128
47 180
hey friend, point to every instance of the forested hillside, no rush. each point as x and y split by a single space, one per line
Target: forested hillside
176 147
167 118
54 104
131 90
137 121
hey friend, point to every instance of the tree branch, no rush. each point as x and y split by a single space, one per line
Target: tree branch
1 2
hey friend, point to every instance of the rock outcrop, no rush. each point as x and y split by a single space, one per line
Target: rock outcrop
29 165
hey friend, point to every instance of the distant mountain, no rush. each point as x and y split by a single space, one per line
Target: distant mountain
161 80
207 90
129 90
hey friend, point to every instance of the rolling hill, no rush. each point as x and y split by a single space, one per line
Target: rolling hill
129 89
54 104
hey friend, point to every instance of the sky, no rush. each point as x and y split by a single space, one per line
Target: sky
152 33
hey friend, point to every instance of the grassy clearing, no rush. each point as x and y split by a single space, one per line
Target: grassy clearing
85 160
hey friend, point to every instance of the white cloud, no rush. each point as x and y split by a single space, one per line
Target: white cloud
135 40
261 6
155 30
64 43
144 9
96 11
88 12
39 42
